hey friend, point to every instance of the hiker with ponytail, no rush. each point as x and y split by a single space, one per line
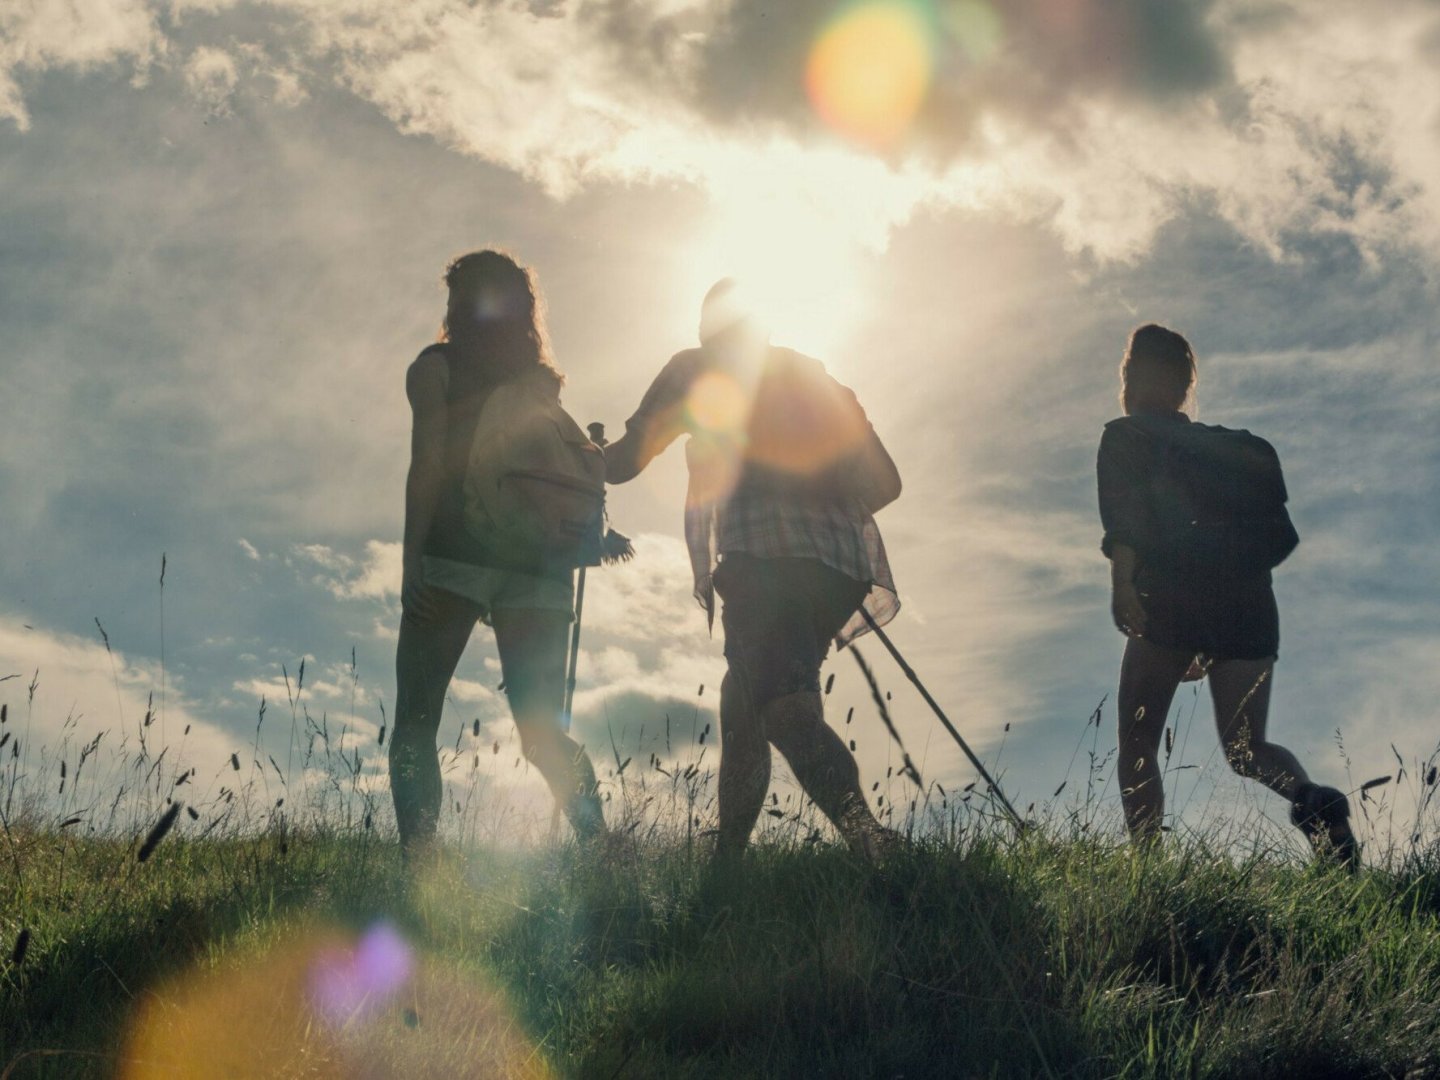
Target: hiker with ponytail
1195 521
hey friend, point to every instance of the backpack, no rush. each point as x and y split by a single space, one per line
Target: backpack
534 487
1219 501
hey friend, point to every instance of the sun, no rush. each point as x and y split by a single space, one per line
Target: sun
801 271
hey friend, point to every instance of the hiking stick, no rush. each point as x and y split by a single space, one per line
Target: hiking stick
597 436
574 660
1015 818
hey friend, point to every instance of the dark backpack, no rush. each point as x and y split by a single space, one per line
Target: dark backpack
1218 497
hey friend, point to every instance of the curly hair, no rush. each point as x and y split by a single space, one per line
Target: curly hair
495 317
1158 370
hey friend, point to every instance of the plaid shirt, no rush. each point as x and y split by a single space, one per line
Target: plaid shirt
747 488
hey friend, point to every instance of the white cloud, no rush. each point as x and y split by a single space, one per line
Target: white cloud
1271 142
375 575
38 35
1318 117
83 691
211 76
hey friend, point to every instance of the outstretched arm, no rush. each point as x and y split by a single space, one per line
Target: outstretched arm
658 421
624 458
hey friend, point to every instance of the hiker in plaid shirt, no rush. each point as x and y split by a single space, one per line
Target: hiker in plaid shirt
786 474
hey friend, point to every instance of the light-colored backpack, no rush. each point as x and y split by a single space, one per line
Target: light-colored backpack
534 489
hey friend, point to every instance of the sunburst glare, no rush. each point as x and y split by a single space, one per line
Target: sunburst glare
800 263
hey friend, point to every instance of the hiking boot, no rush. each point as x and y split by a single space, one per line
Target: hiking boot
876 844
1323 815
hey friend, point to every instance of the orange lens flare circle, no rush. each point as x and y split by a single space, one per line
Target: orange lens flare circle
869 71
324 1003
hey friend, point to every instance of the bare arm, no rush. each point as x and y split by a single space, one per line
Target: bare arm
1125 604
425 387
658 421
625 458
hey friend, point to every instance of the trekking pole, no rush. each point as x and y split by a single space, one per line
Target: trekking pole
597 436
1015 818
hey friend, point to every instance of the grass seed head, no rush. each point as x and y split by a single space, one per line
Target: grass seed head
158 833
22 946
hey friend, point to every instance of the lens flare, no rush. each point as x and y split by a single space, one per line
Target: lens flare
870 70
326 1003
718 404
346 983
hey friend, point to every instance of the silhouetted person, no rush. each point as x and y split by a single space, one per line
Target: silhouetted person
1192 586
785 476
493 332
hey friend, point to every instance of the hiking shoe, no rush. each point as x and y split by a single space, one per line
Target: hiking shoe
878 845
1323 815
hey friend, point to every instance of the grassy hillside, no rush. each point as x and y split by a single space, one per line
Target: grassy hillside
304 955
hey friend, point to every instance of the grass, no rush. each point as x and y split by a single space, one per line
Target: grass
158 922
1053 955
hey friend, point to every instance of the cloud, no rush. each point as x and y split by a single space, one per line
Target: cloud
375 575
79 35
83 691
211 76
1104 120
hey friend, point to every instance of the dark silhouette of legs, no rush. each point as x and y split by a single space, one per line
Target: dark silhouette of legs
532 646
1240 690
744 767
1149 674
826 770
425 660
819 759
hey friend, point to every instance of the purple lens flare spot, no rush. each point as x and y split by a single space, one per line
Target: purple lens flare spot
348 984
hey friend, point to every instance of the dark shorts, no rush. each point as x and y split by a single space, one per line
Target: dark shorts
1235 623
780 616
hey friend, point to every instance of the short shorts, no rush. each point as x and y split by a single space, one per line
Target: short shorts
780 616
1223 622
493 588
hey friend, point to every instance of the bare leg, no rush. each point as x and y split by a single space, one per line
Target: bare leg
425 659
1240 690
1149 674
826 770
532 656
744 767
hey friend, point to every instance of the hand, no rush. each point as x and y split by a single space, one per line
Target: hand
1128 612
416 597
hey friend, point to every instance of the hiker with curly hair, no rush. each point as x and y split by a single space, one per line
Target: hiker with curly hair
1195 520
493 335
786 475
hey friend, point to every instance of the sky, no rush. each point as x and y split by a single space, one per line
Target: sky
221 240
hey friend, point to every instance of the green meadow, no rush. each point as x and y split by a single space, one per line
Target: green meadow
973 954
